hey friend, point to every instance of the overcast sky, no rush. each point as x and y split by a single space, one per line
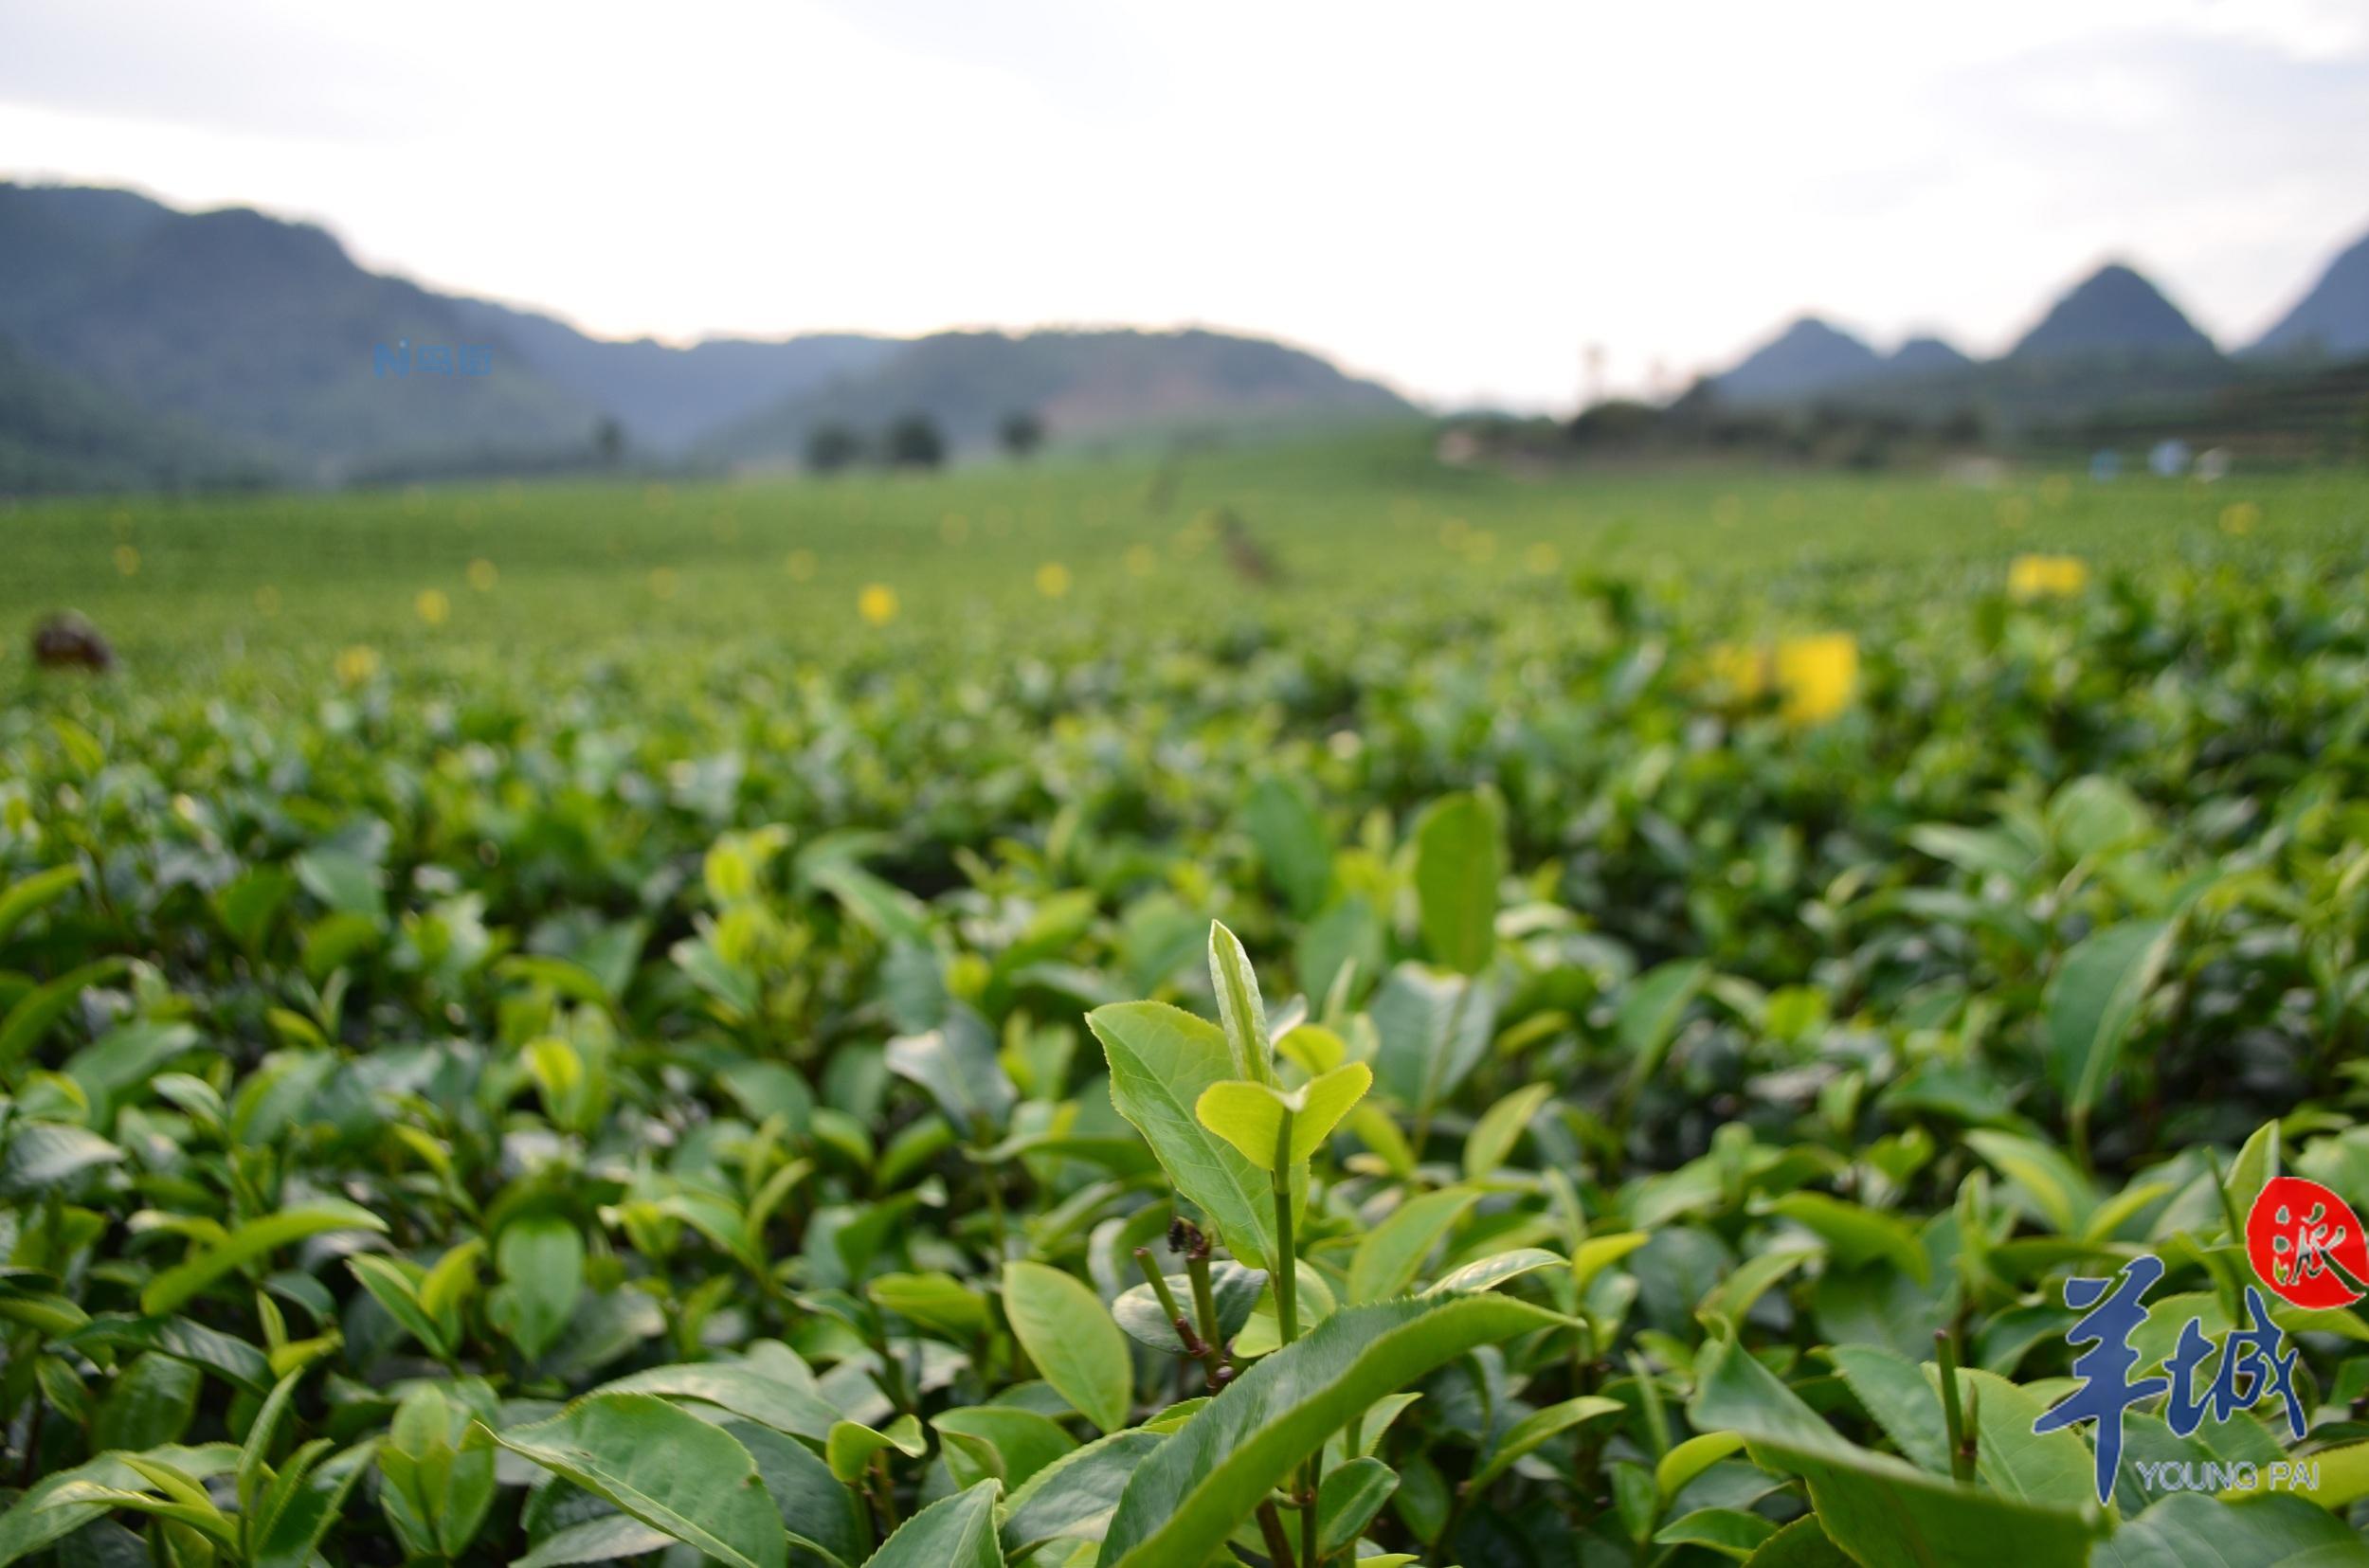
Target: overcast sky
1455 198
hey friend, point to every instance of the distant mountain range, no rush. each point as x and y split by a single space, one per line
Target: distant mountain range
60 433
1101 385
144 347
2332 321
1814 356
2112 337
2113 311
260 331
669 399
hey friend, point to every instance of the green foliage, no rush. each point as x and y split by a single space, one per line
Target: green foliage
1252 1116
799 1102
1162 1061
1070 1335
1197 1488
1459 859
669 1470
2094 1003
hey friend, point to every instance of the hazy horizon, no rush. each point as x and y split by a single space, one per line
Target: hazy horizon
1456 210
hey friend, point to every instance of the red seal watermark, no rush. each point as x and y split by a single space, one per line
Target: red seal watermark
2306 1244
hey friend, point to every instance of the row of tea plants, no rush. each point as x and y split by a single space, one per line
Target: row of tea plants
567 1109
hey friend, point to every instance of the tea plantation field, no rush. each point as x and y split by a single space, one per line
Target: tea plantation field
1278 1006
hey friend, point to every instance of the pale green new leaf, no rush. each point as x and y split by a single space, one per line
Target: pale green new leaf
1493 1136
2054 1185
1240 1010
1489 1273
250 1241
396 1292
1600 1252
200 1516
1751 1280
1250 1115
933 1300
2343 1474
1688 1459
849 1446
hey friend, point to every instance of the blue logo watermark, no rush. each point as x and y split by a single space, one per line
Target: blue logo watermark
432 359
2251 1368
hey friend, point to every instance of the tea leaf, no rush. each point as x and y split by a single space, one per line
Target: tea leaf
673 1472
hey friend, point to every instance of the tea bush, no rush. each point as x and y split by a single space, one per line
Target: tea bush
1444 1077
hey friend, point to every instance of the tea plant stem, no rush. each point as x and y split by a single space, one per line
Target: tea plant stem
1205 1312
1305 1479
1168 1301
1278 1543
883 1495
1203 1347
1286 1293
1205 1300
2229 1203
1962 1440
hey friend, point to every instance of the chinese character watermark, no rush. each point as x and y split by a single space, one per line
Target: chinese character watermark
2251 1368
2306 1244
